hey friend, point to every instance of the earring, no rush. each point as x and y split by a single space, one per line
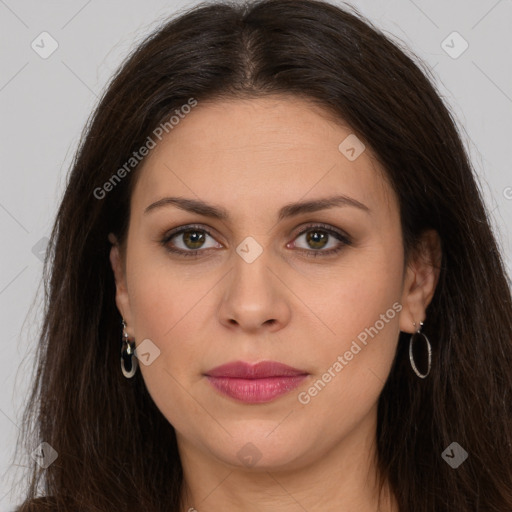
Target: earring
429 349
129 363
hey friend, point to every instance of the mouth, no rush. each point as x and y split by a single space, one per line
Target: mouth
255 383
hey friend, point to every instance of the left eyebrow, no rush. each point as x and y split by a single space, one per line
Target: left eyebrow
315 205
289 210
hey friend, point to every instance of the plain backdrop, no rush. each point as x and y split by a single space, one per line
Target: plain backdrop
45 103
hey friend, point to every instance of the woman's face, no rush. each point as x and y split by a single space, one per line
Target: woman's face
322 289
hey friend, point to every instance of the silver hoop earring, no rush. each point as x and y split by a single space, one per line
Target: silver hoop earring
429 349
129 363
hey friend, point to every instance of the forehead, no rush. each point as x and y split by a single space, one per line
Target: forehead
273 148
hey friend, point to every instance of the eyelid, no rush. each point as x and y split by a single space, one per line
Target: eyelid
188 227
327 227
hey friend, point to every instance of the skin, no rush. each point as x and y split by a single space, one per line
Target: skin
252 157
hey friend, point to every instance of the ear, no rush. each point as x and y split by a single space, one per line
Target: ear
420 281
118 266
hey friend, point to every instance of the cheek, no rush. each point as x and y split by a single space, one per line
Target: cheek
167 310
353 362
353 295
362 313
167 307
163 295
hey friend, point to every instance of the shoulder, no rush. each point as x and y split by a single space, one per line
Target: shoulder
41 504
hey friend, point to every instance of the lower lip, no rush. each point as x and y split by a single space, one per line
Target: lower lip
255 391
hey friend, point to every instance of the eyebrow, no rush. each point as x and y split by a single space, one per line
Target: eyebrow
289 210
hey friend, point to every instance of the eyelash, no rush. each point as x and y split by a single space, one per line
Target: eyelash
343 238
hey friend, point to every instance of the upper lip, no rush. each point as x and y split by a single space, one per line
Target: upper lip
243 370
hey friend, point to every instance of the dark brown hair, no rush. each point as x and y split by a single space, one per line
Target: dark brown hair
116 451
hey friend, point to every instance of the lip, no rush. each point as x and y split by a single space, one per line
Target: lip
263 369
255 383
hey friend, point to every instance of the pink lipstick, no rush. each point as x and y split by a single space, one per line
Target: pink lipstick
255 383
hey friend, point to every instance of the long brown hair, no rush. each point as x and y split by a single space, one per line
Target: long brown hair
116 451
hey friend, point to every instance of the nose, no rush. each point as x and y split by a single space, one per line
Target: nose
255 299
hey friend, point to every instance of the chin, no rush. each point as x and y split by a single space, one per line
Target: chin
260 451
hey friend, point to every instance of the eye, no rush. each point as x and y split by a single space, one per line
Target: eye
189 240
320 240
318 237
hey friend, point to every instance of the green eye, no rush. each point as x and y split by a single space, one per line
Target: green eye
193 240
318 236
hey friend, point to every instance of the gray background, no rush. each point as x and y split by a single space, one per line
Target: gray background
45 103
